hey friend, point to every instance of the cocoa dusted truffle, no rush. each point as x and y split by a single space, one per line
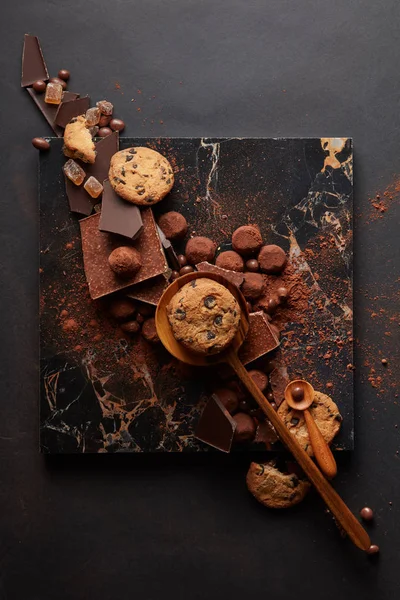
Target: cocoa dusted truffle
230 260
199 249
122 309
149 331
260 379
247 240
252 285
125 261
245 428
173 225
131 327
272 259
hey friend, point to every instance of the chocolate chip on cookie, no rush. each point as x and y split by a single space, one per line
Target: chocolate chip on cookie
141 175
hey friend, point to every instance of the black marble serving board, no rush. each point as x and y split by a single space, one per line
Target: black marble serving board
100 391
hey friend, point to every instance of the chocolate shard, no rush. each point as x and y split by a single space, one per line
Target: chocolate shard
266 435
68 109
119 216
149 291
97 246
169 251
232 276
33 65
105 149
279 378
260 339
49 111
216 427
79 200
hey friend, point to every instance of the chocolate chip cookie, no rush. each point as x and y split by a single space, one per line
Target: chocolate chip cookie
325 413
141 175
78 142
273 488
204 316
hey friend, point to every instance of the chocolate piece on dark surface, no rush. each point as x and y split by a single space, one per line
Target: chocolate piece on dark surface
245 427
79 200
118 216
39 86
169 251
148 291
105 149
216 427
40 143
49 111
68 109
260 339
33 65
233 276
117 125
97 246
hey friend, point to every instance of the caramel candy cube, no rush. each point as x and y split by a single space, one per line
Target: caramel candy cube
93 187
74 172
92 116
106 108
53 93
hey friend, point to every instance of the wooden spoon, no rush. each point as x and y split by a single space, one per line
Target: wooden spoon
299 395
340 511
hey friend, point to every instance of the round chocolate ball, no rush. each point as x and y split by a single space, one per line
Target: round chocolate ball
59 81
297 393
174 275
104 132
244 406
260 379
282 293
252 285
140 318
245 427
39 87
272 259
40 143
366 513
270 396
125 261
230 260
131 327
117 125
122 309
373 549
272 305
182 260
252 265
64 74
228 398
186 269
199 249
173 225
104 120
145 309
149 331
247 240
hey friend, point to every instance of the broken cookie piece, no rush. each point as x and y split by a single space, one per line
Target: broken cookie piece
273 488
78 141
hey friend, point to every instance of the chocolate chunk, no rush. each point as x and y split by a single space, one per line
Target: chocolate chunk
209 301
97 246
216 427
119 216
33 65
232 276
260 339
228 398
245 427
169 251
49 111
70 109
105 149
180 314
294 421
211 335
149 291
266 435
218 320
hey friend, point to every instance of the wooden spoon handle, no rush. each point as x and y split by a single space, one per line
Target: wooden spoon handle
322 452
340 511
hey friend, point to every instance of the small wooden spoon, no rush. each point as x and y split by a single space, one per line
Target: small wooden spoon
340 511
299 395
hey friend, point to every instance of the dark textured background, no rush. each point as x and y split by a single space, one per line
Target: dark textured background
104 527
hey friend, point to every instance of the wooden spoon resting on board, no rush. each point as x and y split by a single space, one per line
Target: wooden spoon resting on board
299 395
338 508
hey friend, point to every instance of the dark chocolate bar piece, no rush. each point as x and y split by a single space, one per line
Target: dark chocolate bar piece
260 339
232 276
216 427
169 251
97 246
79 200
49 111
68 109
119 216
149 291
105 149
33 65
